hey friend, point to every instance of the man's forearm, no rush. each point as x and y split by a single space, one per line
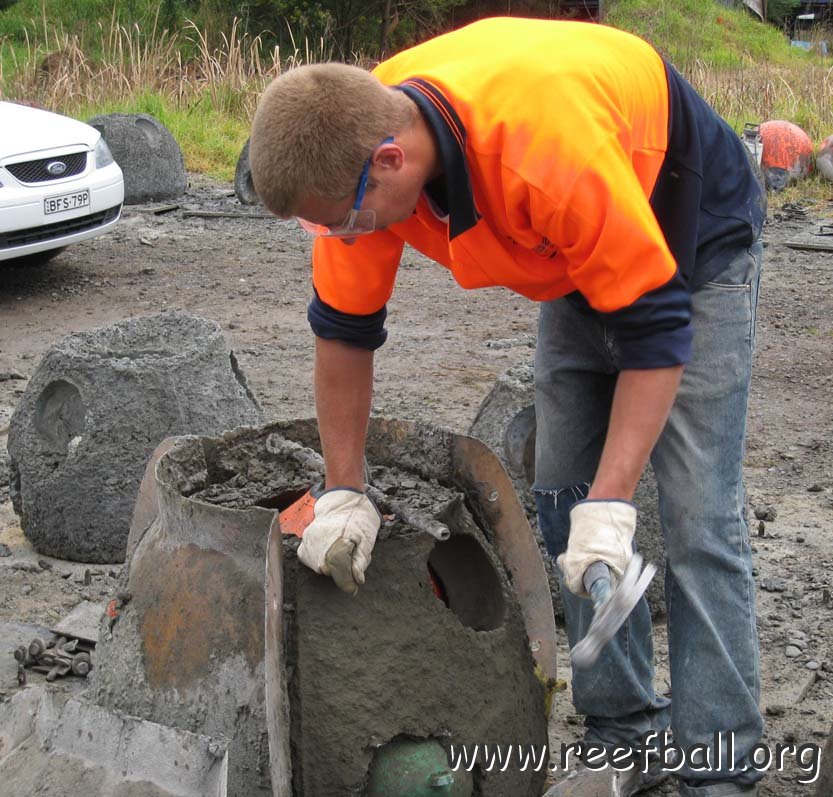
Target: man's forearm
641 405
343 392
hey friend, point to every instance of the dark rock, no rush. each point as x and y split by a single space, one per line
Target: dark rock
244 187
148 155
765 513
5 550
814 488
96 407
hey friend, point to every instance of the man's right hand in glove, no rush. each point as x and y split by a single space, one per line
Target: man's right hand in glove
339 542
600 531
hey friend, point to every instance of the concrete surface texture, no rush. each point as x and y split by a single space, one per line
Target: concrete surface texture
433 646
97 405
56 746
397 661
148 155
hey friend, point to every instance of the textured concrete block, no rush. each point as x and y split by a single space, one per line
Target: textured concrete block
148 155
94 410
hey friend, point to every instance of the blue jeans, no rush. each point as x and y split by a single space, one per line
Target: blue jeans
698 464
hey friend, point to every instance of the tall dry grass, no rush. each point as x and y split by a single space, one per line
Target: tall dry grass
217 84
800 93
179 67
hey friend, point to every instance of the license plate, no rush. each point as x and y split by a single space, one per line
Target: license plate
58 204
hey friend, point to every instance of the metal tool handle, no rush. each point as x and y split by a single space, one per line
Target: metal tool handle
597 583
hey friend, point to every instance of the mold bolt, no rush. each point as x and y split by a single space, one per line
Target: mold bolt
81 664
440 780
216 749
36 647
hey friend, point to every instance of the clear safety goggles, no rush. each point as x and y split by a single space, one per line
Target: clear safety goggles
358 221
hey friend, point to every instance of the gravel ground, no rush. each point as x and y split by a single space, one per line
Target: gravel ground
251 275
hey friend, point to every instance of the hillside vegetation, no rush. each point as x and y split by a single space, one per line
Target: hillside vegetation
200 70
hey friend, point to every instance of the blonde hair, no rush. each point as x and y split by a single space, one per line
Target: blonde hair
314 128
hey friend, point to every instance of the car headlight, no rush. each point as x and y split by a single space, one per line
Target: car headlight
103 156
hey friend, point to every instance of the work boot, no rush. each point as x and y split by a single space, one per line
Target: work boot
608 782
725 788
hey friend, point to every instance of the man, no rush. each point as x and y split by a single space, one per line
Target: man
569 163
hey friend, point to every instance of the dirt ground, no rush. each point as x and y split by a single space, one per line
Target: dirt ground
446 347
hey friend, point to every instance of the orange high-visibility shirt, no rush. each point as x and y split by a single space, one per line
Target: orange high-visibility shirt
553 136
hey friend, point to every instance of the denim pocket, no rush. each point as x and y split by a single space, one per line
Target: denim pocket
738 283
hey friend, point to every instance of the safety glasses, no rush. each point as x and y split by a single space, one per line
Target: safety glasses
358 221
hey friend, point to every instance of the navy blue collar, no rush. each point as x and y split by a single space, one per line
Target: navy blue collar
451 139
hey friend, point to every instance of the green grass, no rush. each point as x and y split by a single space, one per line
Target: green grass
704 30
745 69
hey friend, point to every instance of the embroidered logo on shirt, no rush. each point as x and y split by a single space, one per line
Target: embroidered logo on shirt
546 248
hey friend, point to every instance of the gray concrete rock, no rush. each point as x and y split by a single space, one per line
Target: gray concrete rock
506 423
96 407
148 155
244 187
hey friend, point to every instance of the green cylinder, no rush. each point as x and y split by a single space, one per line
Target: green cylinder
415 768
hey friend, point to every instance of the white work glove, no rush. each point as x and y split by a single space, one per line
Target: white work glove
339 541
600 531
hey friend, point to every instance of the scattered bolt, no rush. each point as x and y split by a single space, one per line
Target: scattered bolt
772 585
216 749
88 578
762 529
36 647
81 664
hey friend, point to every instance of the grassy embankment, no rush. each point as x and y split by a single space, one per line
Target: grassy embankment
205 93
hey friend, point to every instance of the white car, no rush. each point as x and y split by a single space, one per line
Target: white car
59 183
